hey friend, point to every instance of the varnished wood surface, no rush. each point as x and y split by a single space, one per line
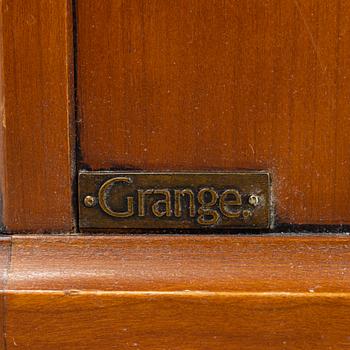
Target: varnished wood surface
177 292
177 263
174 322
247 84
36 134
5 252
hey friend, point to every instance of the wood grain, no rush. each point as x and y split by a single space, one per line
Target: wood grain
36 132
177 263
177 292
5 254
175 322
247 84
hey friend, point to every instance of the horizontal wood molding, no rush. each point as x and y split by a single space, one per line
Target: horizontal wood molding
36 133
176 292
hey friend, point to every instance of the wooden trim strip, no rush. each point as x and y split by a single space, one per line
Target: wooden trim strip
176 292
180 294
36 130
179 263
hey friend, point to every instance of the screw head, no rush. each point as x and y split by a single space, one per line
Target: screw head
247 214
90 201
253 200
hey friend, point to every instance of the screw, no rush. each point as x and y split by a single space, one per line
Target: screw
247 214
90 201
254 200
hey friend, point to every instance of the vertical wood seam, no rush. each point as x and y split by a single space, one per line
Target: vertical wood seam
75 204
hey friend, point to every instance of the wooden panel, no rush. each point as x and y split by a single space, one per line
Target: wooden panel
247 84
177 322
36 182
176 292
5 253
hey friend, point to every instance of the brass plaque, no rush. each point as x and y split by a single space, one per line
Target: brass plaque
112 200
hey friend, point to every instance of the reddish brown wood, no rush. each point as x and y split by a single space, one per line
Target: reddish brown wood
36 133
178 292
158 322
5 255
245 84
177 263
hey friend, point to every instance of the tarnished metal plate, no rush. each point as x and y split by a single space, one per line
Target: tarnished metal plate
112 200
